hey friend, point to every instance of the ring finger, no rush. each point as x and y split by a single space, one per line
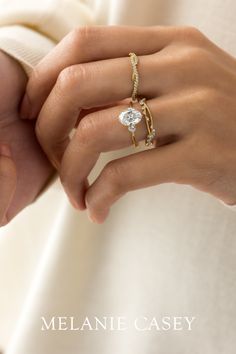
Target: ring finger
101 131
93 85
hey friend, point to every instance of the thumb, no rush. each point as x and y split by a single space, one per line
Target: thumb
8 180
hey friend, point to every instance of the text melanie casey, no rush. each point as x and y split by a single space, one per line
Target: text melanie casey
117 323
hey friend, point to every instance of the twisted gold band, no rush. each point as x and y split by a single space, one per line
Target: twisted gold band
135 75
149 122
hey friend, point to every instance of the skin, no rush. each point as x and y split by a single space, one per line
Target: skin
190 86
24 168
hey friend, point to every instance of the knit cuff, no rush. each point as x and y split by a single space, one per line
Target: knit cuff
25 45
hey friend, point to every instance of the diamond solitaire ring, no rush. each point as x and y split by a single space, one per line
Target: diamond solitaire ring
130 118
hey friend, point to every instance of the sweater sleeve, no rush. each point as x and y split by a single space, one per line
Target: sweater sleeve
29 29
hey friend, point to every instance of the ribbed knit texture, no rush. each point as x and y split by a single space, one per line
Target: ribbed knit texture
29 29
25 45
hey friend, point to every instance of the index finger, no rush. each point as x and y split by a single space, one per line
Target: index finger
88 44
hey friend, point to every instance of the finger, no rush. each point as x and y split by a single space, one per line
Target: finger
144 169
84 86
8 180
93 85
85 112
101 132
88 44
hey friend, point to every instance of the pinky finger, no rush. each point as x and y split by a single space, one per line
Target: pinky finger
140 170
8 180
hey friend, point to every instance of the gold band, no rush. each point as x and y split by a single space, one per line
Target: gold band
130 118
134 140
149 122
135 75
132 132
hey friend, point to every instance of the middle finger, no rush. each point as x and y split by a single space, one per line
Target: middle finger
98 84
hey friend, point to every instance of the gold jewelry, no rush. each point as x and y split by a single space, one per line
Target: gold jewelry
135 76
149 122
130 118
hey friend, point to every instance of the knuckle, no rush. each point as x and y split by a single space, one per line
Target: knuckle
86 131
198 59
82 36
199 56
70 77
113 176
204 96
66 79
202 158
191 34
206 119
210 98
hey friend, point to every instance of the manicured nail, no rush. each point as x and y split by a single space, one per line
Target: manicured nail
74 203
25 108
91 217
89 213
4 221
5 150
98 219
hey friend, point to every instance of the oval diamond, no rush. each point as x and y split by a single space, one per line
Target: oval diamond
130 117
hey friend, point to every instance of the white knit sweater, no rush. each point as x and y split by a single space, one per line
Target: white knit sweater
30 29
168 250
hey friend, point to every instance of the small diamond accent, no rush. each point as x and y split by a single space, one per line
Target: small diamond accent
132 128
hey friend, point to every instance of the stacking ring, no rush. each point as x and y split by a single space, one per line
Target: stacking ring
149 122
130 118
135 75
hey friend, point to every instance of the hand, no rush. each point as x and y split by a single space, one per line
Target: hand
24 169
190 85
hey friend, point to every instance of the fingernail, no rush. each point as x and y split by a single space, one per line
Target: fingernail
4 221
91 217
5 150
74 203
89 213
99 219
25 108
